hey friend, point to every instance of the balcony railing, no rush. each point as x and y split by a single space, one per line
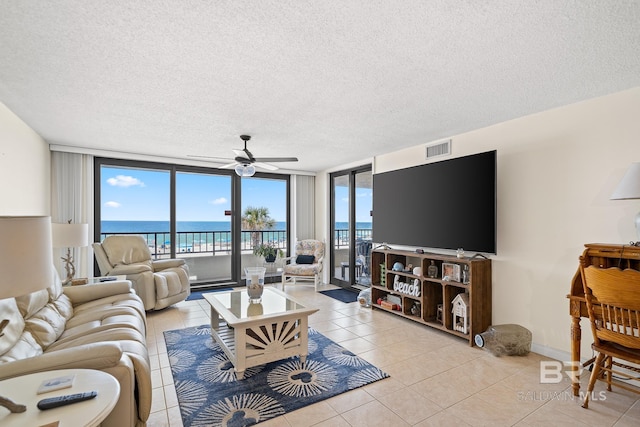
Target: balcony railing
204 242
341 236
219 242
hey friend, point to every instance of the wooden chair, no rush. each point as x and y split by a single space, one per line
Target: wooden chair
613 302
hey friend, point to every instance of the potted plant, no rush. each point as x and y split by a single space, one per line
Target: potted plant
268 250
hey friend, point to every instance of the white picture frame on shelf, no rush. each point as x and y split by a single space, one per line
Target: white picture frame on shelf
450 272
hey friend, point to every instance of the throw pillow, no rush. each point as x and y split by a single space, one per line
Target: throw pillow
305 259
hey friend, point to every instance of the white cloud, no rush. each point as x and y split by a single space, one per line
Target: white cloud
125 181
112 204
219 201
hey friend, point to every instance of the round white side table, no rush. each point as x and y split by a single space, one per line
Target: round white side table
90 412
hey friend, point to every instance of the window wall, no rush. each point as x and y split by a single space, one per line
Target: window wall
192 213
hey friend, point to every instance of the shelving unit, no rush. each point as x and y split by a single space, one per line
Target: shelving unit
433 291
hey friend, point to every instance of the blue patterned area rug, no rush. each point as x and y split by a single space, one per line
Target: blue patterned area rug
210 395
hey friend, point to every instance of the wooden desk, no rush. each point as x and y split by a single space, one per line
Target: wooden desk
603 256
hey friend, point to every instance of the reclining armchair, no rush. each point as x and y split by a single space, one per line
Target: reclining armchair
159 283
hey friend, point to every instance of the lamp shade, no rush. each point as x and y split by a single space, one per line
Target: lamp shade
70 235
629 186
26 257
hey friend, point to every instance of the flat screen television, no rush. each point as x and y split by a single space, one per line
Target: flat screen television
448 204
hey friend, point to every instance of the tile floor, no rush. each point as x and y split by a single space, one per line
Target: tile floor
436 379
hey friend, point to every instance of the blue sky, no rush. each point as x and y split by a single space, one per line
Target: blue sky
363 204
143 195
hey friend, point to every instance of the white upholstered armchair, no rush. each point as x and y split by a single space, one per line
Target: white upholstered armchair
159 283
305 264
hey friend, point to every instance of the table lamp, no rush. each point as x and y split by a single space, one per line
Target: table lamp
26 265
69 236
629 188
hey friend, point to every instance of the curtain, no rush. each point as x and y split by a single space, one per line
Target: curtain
72 199
303 207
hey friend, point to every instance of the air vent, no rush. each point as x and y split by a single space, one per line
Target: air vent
438 149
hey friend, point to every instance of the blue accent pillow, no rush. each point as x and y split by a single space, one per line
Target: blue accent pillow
305 259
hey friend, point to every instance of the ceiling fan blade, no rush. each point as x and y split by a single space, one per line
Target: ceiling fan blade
240 153
266 166
229 166
276 159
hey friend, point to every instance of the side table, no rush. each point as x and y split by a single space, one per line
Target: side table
273 272
96 280
23 390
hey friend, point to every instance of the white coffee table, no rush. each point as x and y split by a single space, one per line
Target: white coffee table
254 334
91 412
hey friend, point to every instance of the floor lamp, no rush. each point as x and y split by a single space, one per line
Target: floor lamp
69 236
629 188
26 266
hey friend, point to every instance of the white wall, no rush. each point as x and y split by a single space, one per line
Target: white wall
556 171
24 168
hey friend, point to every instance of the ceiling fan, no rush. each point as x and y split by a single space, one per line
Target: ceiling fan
245 163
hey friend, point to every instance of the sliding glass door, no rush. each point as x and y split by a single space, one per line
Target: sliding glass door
351 203
363 206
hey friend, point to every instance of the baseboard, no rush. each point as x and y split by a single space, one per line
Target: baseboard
552 353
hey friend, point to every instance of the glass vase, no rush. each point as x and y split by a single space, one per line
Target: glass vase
254 277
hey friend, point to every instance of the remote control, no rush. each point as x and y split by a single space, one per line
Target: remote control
54 402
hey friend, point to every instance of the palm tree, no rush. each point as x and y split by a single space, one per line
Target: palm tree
256 220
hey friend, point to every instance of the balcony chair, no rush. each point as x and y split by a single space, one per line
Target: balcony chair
363 257
159 283
362 268
613 302
305 264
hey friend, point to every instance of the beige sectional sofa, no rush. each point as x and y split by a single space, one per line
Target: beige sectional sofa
101 326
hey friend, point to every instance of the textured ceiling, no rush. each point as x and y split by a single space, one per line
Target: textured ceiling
331 82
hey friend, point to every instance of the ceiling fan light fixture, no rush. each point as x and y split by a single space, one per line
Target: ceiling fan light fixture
245 170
